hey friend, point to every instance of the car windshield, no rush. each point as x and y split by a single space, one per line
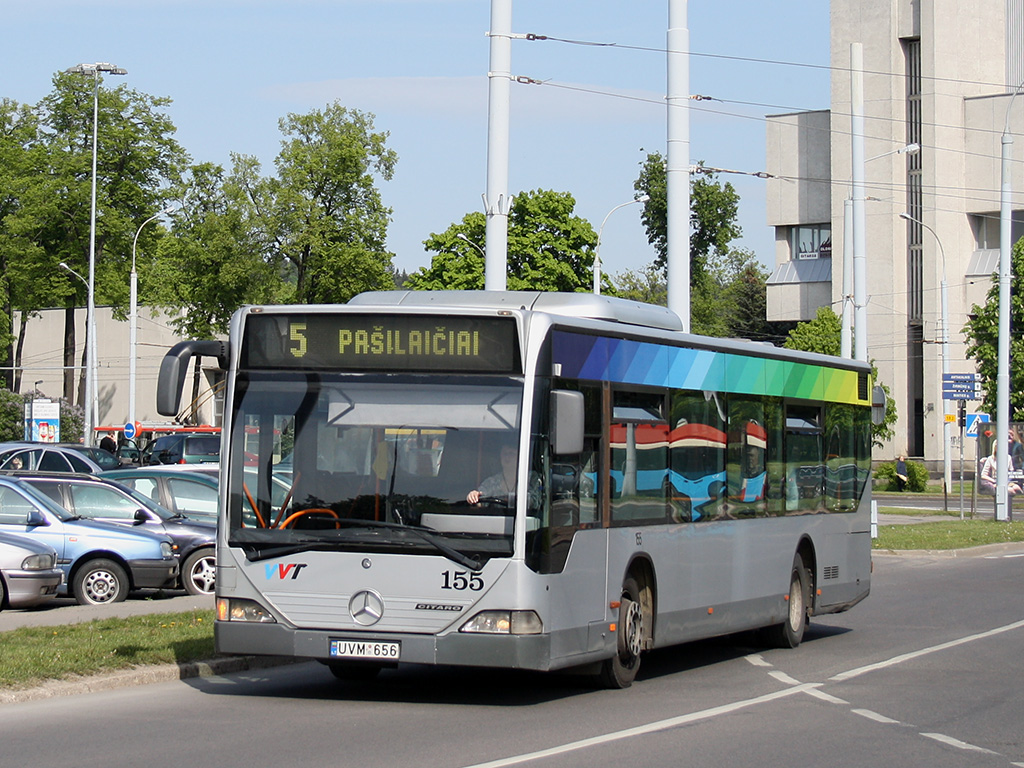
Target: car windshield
370 458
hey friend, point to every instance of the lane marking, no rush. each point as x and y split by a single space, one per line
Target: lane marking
828 697
950 741
758 660
875 716
641 730
783 678
923 652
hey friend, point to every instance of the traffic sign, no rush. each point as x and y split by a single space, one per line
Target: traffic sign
974 422
131 429
961 377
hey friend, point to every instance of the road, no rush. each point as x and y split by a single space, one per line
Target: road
925 672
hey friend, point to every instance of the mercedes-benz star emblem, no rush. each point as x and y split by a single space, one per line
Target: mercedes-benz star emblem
366 607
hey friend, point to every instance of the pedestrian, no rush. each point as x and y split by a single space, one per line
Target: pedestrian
987 484
901 473
108 445
1016 450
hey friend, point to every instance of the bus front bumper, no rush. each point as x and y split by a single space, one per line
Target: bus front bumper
455 649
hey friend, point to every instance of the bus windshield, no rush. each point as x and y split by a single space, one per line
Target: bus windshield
374 463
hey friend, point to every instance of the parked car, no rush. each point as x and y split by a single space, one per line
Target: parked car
28 572
193 494
101 562
45 457
183 448
104 459
108 501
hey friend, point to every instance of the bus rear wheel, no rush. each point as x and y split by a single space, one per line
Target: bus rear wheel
790 633
620 670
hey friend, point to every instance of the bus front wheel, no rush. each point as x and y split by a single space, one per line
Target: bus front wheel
620 670
790 633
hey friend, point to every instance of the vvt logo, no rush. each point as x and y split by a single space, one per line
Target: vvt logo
282 570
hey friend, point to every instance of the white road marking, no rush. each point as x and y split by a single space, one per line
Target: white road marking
757 660
783 678
827 697
949 740
924 652
641 730
875 716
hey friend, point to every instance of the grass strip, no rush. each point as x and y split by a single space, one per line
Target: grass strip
951 534
31 655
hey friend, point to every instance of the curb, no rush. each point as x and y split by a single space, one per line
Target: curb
983 550
157 673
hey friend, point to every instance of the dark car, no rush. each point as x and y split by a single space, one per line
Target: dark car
104 459
193 494
183 448
45 457
108 501
101 562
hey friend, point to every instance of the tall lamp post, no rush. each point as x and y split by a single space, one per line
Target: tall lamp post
947 473
600 231
133 315
92 70
90 356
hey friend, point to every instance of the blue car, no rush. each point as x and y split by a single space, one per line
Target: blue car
101 562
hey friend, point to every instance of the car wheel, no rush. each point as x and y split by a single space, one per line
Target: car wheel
100 582
199 572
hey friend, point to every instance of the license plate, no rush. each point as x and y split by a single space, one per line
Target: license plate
365 649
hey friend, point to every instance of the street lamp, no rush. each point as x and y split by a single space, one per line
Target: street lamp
947 478
32 409
133 315
600 231
90 357
90 313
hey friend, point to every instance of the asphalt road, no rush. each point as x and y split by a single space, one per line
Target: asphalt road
925 672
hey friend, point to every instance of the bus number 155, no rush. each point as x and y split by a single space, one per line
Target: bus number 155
461 580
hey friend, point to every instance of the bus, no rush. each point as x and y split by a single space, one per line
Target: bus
452 478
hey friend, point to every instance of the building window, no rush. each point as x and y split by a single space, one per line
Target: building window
986 230
812 241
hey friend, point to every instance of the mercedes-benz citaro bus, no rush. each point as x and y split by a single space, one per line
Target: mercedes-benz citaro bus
504 479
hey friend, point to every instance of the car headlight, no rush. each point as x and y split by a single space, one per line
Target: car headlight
38 563
242 610
504 623
165 549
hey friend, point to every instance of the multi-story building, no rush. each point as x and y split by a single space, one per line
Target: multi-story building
941 75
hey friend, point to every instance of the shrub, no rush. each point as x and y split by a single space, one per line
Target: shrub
917 476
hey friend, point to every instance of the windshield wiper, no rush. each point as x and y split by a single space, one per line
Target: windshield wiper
257 552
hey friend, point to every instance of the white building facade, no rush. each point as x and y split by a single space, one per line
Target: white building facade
939 75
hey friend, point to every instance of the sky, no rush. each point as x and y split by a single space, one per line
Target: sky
233 68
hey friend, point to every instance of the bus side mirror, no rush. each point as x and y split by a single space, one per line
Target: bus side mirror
877 405
174 366
566 422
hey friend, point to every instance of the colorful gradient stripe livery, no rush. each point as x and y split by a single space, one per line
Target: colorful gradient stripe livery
601 358
525 480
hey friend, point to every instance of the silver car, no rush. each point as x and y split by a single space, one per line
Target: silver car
28 572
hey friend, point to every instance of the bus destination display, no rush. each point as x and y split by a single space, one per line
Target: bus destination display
381 342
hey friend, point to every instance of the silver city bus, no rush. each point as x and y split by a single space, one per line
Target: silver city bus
525 480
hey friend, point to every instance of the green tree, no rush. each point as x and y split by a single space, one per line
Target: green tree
325 221
137 157
823 335
982 332
549 249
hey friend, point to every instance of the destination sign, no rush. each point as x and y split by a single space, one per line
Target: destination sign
368 342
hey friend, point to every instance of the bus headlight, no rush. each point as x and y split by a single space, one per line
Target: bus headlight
504 623
242 610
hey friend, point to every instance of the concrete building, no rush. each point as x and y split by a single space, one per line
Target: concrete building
42 361
940 74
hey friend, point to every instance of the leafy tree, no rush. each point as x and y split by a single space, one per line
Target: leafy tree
549 249
136 158
823 335
12 417
323 216
982 332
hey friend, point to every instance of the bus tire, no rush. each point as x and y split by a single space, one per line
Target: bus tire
620 670
354 671
790 633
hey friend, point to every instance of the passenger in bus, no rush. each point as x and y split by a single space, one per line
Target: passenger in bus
502 485
988 476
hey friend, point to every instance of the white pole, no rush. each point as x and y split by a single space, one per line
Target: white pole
846 331
1003 350
860 302
496 200
133 315
678 163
